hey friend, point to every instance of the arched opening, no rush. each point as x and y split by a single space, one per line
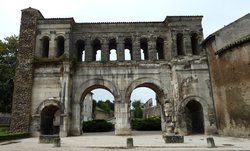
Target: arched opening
96 50
159 48
50 120
144 49
146 107
113 55
180 44
60 46
112 48
45 47
147 98
128 49
97 106
80 46
98 55
194 118
194 44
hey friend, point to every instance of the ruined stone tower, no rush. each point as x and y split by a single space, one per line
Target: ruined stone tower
58 66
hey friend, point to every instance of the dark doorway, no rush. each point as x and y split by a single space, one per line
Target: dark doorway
194 117
45 47
50 120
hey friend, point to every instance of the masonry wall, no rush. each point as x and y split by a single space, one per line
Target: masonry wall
22 94
191 82
230 81
229 70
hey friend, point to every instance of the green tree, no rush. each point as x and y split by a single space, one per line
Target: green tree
8 50
106 106
110 104
137 109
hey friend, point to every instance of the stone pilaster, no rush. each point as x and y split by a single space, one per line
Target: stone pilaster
21 106
152 49
136 50
174 50
67 43
75 124
88 51
120 51
65 99
105 51
167 50
52 45
122 114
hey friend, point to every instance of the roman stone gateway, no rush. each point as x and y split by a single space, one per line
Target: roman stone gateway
58 65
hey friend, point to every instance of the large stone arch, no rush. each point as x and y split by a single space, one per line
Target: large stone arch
156 86
181 113
81 92
148 82
86 86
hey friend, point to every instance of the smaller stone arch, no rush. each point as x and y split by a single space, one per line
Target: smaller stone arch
45 35
128 48
194 43
47 103
112 38
181 124
144 48
189 98
60 35
80 50
44 46
180 44
50 115
112 43
160 48
97 46
60 45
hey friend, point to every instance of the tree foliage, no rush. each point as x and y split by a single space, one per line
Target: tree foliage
137 109
106 106
8 50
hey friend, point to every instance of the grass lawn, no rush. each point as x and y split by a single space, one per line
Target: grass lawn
5 135
4 130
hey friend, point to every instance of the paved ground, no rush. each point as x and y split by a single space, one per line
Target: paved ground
143 141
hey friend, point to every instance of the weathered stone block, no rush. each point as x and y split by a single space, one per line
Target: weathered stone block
130 143
49 139
173 139
210 142
57 142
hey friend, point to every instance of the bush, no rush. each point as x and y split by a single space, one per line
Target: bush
146 124
4 130
97 126
5 135
10 136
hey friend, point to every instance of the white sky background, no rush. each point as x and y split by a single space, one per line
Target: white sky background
217 13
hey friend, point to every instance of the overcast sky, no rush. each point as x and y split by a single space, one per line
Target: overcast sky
217 13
